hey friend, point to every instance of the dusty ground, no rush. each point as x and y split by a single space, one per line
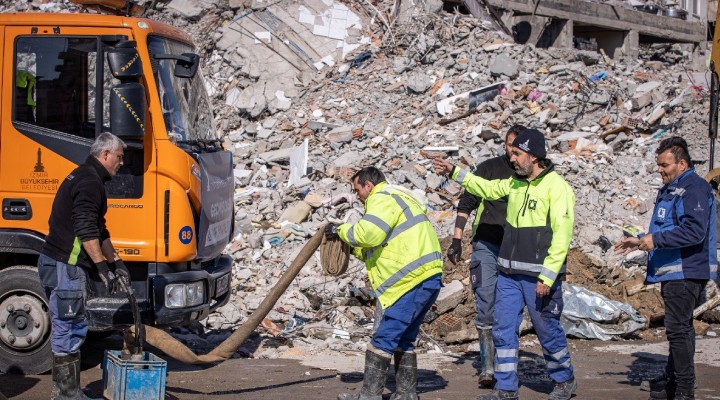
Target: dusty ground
604 371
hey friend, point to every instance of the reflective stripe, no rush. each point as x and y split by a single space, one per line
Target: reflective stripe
351 237
529 267
403 205
668 269
557 356
519 265
404 271
554 365
75 252
506 353
506 367
461 176
548 273
713 268
375 220
410 221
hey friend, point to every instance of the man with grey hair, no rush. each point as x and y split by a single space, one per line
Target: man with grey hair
78 242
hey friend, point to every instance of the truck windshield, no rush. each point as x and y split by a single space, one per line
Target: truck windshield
185 104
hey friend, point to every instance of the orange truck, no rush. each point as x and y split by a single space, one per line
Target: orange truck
64 79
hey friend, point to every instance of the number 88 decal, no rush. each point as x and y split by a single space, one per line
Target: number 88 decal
186 235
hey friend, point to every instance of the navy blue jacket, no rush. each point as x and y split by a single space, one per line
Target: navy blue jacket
684 231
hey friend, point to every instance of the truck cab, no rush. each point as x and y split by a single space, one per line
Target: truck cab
64 79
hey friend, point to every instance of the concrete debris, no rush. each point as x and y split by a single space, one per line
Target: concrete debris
309 91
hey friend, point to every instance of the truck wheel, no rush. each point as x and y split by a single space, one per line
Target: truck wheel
24 323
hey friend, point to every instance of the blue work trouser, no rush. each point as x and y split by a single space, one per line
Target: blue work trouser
64 286
681 297
483 276
401 321
513 293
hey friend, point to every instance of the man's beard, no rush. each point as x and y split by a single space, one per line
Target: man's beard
522 171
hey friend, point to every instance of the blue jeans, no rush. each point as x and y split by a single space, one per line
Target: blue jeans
64 286
401 321
483 276
514 292
681 297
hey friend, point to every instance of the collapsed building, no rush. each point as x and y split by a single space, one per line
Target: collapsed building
616 28
308 91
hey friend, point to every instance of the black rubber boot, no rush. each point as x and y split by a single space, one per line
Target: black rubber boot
405 376
66 378
487 358
376 367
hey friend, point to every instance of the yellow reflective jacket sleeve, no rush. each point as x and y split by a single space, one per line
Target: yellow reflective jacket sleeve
358 253
381 212
562 218
488 190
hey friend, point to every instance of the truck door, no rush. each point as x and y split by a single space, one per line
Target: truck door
58 104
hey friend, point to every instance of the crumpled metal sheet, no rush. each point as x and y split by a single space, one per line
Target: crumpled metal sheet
590 315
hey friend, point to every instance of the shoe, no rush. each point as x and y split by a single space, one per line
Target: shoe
655 383
376 367
666 392
563 391
498 394
679 395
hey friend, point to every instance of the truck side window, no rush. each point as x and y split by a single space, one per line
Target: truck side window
56 100
55 84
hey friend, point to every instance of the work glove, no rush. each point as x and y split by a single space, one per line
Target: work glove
454 252
331 231
123 277
106 276
120 268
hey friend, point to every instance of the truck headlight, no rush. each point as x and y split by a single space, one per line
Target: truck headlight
179 295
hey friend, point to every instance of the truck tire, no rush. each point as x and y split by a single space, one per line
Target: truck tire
24 323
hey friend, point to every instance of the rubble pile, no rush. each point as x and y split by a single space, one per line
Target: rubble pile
308 91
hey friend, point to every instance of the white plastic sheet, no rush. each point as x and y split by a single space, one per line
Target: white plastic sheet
590 315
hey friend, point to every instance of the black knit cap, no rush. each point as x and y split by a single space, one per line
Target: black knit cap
531 141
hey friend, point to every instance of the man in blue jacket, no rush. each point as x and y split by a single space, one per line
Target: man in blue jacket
682 256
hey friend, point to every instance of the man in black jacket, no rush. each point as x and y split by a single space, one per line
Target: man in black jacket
78 242
487 237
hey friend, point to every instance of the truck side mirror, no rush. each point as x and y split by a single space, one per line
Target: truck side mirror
127 110
124 60
186 64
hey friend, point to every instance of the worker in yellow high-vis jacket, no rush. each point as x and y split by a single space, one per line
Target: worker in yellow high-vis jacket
531 261
404 262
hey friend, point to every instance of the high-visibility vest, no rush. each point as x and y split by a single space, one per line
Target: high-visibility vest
26 80
397 242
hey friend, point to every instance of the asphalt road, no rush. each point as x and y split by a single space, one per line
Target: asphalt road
604 371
